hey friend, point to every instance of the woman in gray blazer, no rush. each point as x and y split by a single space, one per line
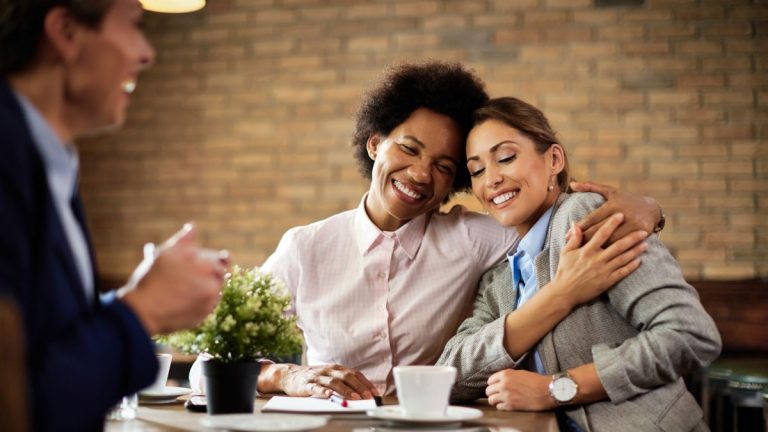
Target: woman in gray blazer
614 363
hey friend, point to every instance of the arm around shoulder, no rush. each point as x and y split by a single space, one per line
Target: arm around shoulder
676 335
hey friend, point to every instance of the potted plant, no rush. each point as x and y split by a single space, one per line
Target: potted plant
250 322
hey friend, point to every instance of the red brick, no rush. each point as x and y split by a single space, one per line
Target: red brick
646 48
416 8
701 80
526 36
534 18
730 28
363 11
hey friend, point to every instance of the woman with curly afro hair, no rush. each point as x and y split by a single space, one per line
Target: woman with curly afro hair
388 283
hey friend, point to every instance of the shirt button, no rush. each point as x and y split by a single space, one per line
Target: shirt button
382 275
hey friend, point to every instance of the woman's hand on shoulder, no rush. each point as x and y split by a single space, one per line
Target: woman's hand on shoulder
642 213
585 272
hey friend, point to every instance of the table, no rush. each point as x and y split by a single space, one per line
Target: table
173 417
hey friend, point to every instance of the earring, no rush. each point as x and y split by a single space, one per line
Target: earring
550 188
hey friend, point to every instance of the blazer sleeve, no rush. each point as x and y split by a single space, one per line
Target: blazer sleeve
477 350
80 360
675 334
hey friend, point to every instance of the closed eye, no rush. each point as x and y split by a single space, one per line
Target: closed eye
477 172
407 149
508 159
445 169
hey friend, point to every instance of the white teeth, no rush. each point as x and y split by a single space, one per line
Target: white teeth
402 188
129 86
501 199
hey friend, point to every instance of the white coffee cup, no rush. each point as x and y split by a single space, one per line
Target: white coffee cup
162 374
424 391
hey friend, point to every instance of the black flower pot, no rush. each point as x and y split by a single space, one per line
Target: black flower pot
230 387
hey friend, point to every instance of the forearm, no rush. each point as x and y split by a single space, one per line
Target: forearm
526 326
590 387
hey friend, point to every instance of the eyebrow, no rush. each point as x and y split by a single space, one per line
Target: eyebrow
492 150
421 144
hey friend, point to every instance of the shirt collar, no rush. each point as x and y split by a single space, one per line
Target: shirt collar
368 235
60 160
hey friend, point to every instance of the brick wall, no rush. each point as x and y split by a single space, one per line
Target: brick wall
244 123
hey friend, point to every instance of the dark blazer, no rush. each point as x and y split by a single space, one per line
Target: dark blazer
81 357
643 335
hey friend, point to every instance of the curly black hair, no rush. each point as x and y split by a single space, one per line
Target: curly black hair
445 88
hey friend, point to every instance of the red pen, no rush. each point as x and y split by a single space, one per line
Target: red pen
338 399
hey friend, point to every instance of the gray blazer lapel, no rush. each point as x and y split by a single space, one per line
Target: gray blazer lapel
546 347
542 263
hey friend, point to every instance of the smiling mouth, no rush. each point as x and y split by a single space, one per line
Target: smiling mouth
501 199
406 190
129 86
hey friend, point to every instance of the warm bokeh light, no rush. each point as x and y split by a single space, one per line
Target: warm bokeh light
173 6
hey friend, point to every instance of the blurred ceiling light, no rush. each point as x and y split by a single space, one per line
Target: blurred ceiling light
173 6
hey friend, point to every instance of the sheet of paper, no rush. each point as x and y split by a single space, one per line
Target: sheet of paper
316 405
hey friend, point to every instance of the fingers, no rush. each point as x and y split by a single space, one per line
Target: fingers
186 235
602 235
623 271
318 390
574 236
349 383
597 216
601 189
624 244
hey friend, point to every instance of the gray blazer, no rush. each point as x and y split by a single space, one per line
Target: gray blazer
642 335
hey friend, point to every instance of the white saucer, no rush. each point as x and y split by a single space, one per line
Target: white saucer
453 414
168 392
264 422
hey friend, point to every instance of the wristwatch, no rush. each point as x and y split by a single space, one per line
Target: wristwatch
563 388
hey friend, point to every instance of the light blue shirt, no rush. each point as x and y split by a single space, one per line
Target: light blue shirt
61 165
521 258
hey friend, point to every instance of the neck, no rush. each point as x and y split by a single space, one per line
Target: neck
383 220
44 88
525 227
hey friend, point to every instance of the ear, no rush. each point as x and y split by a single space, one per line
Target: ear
62 32
556 158
372 145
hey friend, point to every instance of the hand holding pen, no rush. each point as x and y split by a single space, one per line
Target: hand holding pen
340 400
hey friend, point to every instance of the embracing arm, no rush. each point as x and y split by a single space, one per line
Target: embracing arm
676 335
642 213
477 350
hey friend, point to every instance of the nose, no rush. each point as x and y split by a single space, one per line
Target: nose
420 172
147 54
492 177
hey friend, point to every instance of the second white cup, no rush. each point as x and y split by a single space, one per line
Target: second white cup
162 374
424 391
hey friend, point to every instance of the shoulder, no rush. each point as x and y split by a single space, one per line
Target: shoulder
579 204
331 225
469 219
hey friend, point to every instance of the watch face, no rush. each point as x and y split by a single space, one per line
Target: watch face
564 389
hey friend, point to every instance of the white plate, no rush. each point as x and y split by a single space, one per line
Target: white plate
264 422
453 414
166 393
